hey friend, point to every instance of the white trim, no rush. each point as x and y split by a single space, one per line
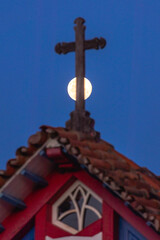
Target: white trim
95 237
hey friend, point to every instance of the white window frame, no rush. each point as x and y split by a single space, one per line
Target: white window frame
95 237
76 187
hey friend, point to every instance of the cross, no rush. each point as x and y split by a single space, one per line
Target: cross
79 46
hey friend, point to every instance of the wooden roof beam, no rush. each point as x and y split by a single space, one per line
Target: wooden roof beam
35 178
13 201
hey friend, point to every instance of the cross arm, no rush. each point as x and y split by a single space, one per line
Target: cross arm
95 43
65 47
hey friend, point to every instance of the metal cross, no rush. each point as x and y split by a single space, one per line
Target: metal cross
79 46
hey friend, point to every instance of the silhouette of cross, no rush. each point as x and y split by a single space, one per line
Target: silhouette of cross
79 46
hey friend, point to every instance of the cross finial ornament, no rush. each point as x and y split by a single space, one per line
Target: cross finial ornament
80 119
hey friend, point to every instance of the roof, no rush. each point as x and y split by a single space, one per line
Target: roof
138 187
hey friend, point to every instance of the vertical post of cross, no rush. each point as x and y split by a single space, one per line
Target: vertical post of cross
80 63
80 118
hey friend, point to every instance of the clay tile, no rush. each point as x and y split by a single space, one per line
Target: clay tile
148 202
106 179
93 170
157 223
118 164
106 154
2 181
137 184
78 143
155 211
147 172
124 195
100 164
117 178
3 174
24 151
114 186
88 153
137 206
145 215
63 140
123 174
14 163
22 155
99 145
10 170
68 134
67 147
20 159
83 160
92 136
3 177
50 131
151 217
44 127
154 183
47 128
129 198
101 176
137 192
97 154
74 151
131 175
60 129
37 139
132 164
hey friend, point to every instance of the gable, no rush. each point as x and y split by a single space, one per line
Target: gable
77 208
60 204
59 157
37 208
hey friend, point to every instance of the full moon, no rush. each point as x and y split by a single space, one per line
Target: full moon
72 88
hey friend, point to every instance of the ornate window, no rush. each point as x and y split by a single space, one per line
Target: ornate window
77 208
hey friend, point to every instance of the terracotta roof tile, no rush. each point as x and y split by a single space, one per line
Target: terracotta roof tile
37 139
102 165
157 223
131 163
3 179
136 185
148 202
125 174
137 192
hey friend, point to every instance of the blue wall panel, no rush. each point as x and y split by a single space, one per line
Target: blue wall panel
127 232
29 235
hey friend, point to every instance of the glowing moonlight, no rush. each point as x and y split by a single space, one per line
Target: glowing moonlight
72 88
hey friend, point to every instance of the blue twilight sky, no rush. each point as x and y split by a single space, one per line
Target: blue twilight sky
125 102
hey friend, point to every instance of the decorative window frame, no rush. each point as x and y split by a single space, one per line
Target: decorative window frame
72 192
59 184
95 237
